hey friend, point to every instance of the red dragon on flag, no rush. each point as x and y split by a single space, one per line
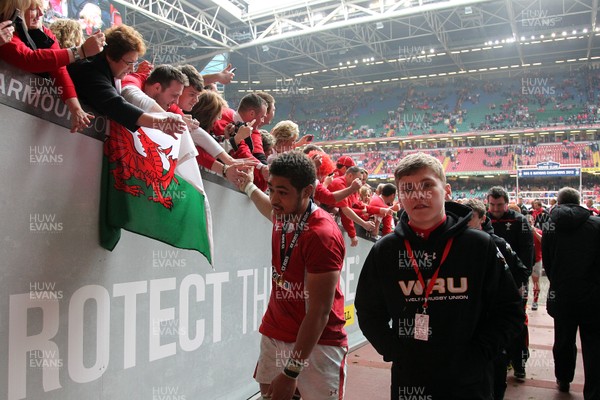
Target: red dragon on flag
176 212
120 149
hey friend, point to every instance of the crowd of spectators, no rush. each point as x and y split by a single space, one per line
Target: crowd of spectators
531 101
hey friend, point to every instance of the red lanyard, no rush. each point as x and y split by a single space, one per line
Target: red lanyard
433 279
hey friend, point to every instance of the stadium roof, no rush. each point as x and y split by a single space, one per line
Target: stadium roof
347 43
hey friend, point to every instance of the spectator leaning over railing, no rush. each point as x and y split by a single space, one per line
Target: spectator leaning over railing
286 137
270 100
251 108
98 83
162 91
250 112
285 133
34 48
191 93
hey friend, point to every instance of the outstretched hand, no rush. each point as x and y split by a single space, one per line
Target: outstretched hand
226 76
80 120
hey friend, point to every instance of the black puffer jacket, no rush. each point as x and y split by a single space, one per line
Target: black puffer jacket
474 309
571 258
514 228
519 272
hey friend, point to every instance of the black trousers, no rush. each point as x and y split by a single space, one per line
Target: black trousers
500 364
565 353
518 351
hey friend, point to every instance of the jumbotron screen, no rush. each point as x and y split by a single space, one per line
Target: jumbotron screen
93 15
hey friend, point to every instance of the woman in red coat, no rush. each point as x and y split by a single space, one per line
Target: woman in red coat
34 48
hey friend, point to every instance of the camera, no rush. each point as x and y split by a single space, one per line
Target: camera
237 126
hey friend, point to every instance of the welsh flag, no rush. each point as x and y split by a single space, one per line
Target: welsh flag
151 185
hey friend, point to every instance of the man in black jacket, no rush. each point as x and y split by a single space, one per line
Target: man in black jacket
520 275
444 287
571 258
98 79
514 228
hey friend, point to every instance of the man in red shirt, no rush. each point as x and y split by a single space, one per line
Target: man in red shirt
539 213
251 112
251 108
347 215
304 345
342 164
385 200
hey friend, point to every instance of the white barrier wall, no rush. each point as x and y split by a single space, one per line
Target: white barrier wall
146 321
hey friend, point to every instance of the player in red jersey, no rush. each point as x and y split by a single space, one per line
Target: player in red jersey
304 344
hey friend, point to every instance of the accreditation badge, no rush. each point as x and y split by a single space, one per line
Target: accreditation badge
422 327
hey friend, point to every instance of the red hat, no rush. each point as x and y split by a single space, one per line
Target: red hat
346 161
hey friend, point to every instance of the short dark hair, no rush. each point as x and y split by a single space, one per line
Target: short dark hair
165 74
496 192
353 170
195 79
251 101
388 189
297 167
568 195
270 100
311 147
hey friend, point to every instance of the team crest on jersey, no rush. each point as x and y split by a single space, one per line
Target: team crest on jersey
508 225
